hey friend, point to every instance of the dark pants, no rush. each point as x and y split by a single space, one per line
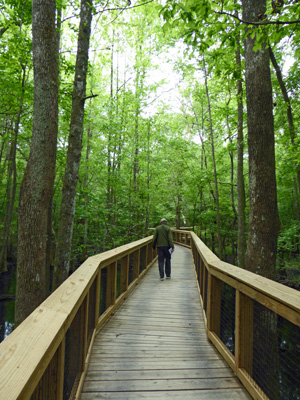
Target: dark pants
164 255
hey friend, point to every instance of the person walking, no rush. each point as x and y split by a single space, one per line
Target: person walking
162 239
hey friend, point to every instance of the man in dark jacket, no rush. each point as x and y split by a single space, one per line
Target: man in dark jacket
162 239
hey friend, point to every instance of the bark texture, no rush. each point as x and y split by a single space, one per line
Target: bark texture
220 244
37 185
240 165
263 213
67 210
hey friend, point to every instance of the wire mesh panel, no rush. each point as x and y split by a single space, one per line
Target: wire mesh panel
276 355
205 288
130 271
143 254
149 253
188 239
183 238
48 385
289 359
74 354
227 320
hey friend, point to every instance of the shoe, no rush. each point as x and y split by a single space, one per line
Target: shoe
161 279
168 277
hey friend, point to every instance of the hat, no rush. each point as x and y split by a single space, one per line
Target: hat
163 220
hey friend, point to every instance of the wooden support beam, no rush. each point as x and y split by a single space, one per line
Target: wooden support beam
85 329
124 274
97 300
61 369
214 292
244 332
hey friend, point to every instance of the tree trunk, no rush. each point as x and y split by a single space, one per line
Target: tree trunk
289 118
148 178
263 213
37 185
203 161
241 242
220 246
67 210
231 183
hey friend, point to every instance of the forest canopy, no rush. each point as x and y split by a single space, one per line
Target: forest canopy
154 99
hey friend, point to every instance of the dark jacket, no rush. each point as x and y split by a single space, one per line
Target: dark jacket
162 237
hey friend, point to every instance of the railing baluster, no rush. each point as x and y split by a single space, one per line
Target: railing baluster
124 274
214 305
61 369
85 329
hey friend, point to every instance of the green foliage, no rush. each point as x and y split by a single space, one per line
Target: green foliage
144 158
288 240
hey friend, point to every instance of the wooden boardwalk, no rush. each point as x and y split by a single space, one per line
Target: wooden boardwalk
155 346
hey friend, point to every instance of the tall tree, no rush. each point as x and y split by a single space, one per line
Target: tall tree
290 121
241 240
37 185
263 213
220 245
67 210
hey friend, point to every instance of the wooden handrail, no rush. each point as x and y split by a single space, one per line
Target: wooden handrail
248 288
38 356
34 357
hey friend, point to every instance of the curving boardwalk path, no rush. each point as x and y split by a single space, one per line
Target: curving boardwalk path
155 346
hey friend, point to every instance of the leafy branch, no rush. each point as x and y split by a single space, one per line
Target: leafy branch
265 22
121 9
124 8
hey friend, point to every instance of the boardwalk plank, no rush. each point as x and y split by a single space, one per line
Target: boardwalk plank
193 373
155 346
232 394
161 385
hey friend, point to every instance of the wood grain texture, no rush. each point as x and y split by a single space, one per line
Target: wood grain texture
155 346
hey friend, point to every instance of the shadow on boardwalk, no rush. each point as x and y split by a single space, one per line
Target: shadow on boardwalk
155 346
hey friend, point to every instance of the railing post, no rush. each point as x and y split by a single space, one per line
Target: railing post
205 287
61 369
214 294
97 300
124 274
201 276
244 332
85 331
111 284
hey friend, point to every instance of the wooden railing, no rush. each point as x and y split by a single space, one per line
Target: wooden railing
47 355
252 296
